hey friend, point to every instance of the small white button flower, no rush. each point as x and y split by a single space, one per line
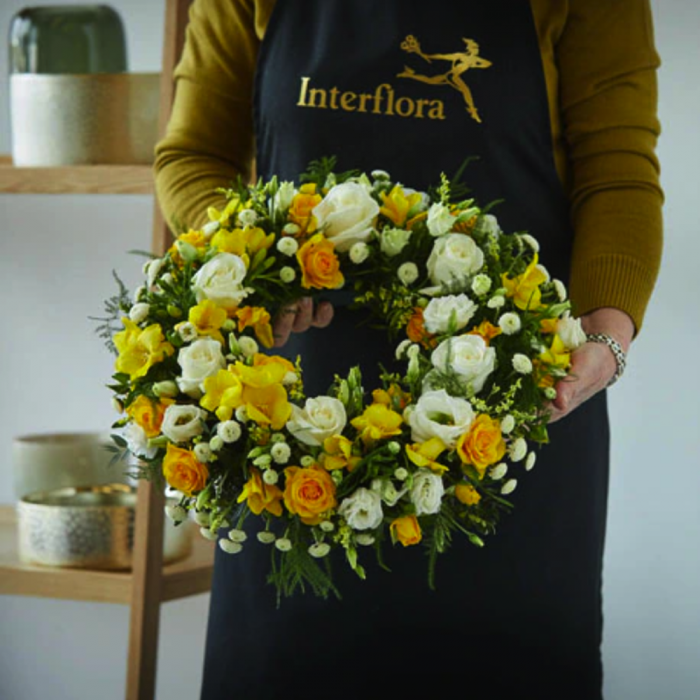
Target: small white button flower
530 461
139 312
522 363
307 461
270 477
291 229
530 241
560 289
359 252
365 539
326 526
229 431
287 274
230 547
401 474
248 346
509 323
509 486
408 273
481 285
550 393
281 452
284 544
216 443
202 518
176 513
518 450
507 424
499 471
236 535
319 550
266 537
247 218
203 452
496 302
241 414
287 246
208 534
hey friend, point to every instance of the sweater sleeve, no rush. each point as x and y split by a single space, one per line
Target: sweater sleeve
209 138
608 96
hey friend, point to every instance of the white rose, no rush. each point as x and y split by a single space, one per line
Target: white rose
427 492
393 240
570 331
359 252
522 363
182 423
387 491
509 323
198 361
362 510
287 246
408 273
320 418
139 312
437 414
467 355
440 221
454 256
137 441
221 280
441 312
346 215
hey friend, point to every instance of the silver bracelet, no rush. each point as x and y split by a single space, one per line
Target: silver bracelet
617 351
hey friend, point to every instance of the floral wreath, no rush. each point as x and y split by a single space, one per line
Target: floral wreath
484 333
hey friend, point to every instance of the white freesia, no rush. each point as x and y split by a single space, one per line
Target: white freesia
248 346
522 363
152 270
387 491
321 418
393 240
440 221
137 441
467 355
198 361
437 414
284 196
454 256
427 492
287 246
139 312
488 224
570 331
362 510
402 347
182 422
221 280
359 252
210 228
510 323
441 312
346 215
408 273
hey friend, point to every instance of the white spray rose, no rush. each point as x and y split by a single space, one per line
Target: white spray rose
440 221
467 355
393 240
362 510
321 418
137 441
570 331
454 255
437 414
427 492
346 215
440 312
182 423
198 361
221 280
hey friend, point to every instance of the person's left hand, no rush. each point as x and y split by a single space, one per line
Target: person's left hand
593 364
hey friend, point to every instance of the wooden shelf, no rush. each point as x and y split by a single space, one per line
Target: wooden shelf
180 579
76 179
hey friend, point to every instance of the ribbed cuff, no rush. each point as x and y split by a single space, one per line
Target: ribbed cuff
613 281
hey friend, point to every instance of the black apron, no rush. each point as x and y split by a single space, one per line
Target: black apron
523 614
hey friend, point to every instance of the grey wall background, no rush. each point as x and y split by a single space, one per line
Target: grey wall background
56 254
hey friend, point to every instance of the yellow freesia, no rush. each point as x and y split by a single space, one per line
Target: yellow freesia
467 494
486 330
556 355
140 349
424 454
260 375
259 319
525 288
208 318
301 209
261 496
223 392
396 205
242 241
337 454
267 405
377 422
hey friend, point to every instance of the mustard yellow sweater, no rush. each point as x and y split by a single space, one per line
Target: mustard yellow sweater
600 67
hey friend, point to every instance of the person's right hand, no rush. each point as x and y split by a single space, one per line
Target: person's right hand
299 317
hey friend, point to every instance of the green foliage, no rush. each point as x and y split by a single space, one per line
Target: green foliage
115 308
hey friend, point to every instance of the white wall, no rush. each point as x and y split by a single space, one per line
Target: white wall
52 372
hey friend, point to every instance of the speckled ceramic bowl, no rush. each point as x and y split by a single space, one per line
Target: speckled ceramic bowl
88 527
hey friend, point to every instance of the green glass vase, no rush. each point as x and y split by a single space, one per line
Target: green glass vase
67 39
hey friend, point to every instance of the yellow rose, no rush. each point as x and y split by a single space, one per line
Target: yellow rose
320 267
183 472
525 288
148 414
483 444
208 318
140 349
309 493
396 204
406 530
377 422
259 320
337 454
467 494
302 205
261 496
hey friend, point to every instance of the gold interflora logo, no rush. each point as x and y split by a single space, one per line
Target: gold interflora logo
461 61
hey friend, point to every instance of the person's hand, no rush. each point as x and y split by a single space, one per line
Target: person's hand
593 364
299 317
